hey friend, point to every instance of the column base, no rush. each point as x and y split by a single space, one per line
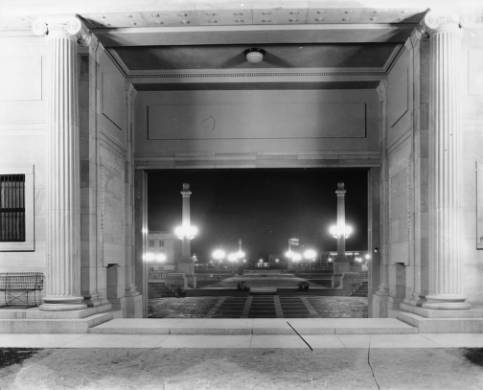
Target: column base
53 303
132 306
95 300
413 301
379 303
446 302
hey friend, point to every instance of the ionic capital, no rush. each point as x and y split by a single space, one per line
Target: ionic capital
70 27
436 22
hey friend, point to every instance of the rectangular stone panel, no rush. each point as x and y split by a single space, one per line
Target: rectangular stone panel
398 92
113 98
21 78
475 75
479 205
259 119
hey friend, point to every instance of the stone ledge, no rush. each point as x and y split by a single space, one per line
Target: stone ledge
36 313
261 326
441 313
442 325
53 325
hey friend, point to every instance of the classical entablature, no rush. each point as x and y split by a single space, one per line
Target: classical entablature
322 42
153 45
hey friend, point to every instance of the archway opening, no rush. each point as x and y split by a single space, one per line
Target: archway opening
263 246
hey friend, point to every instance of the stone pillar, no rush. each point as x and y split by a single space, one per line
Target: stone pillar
340 192
186 219
445 260
185 264
131 303
63 226
341 265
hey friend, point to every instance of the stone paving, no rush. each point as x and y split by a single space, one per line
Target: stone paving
245 369
260 306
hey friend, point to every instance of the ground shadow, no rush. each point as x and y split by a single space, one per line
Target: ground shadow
10 356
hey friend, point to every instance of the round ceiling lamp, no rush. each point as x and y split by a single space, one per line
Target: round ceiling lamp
254 55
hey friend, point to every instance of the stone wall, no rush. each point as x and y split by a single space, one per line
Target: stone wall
105 152
256 128
402 132
105 179
23 135
472 116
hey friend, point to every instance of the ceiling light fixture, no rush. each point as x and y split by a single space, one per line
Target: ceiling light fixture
254 55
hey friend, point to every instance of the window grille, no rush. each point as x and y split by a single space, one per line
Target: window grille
12 208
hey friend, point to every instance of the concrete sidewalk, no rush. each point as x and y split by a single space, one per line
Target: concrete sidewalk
342 341
247 326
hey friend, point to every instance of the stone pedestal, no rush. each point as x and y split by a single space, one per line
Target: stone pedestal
445 262
186 266
132 305
63 234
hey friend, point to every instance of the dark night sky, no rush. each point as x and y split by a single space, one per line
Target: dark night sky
263 207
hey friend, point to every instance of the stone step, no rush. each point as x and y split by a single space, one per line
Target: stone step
53 325
267 326
441 324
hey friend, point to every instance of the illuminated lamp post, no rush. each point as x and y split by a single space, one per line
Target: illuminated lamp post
341 231
186 232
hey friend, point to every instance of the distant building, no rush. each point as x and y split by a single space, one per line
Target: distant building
163 250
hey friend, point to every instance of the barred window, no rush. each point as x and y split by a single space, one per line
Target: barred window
12 208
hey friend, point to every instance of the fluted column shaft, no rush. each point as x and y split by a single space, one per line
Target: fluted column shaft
63 234
445 262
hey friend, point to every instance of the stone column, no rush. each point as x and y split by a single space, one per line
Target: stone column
131 303
445 260
63 226
186 220
341 265
340 192
185 263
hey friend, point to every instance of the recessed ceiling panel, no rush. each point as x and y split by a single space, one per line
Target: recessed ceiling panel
276 56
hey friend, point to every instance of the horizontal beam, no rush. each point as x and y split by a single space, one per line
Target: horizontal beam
252 35
253 86
318 160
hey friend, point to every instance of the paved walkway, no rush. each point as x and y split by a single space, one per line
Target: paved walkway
242 369
241 361
342 341
260 306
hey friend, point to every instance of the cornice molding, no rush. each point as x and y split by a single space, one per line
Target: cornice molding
262 75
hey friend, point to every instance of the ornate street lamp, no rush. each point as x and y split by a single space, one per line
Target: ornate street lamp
186 232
